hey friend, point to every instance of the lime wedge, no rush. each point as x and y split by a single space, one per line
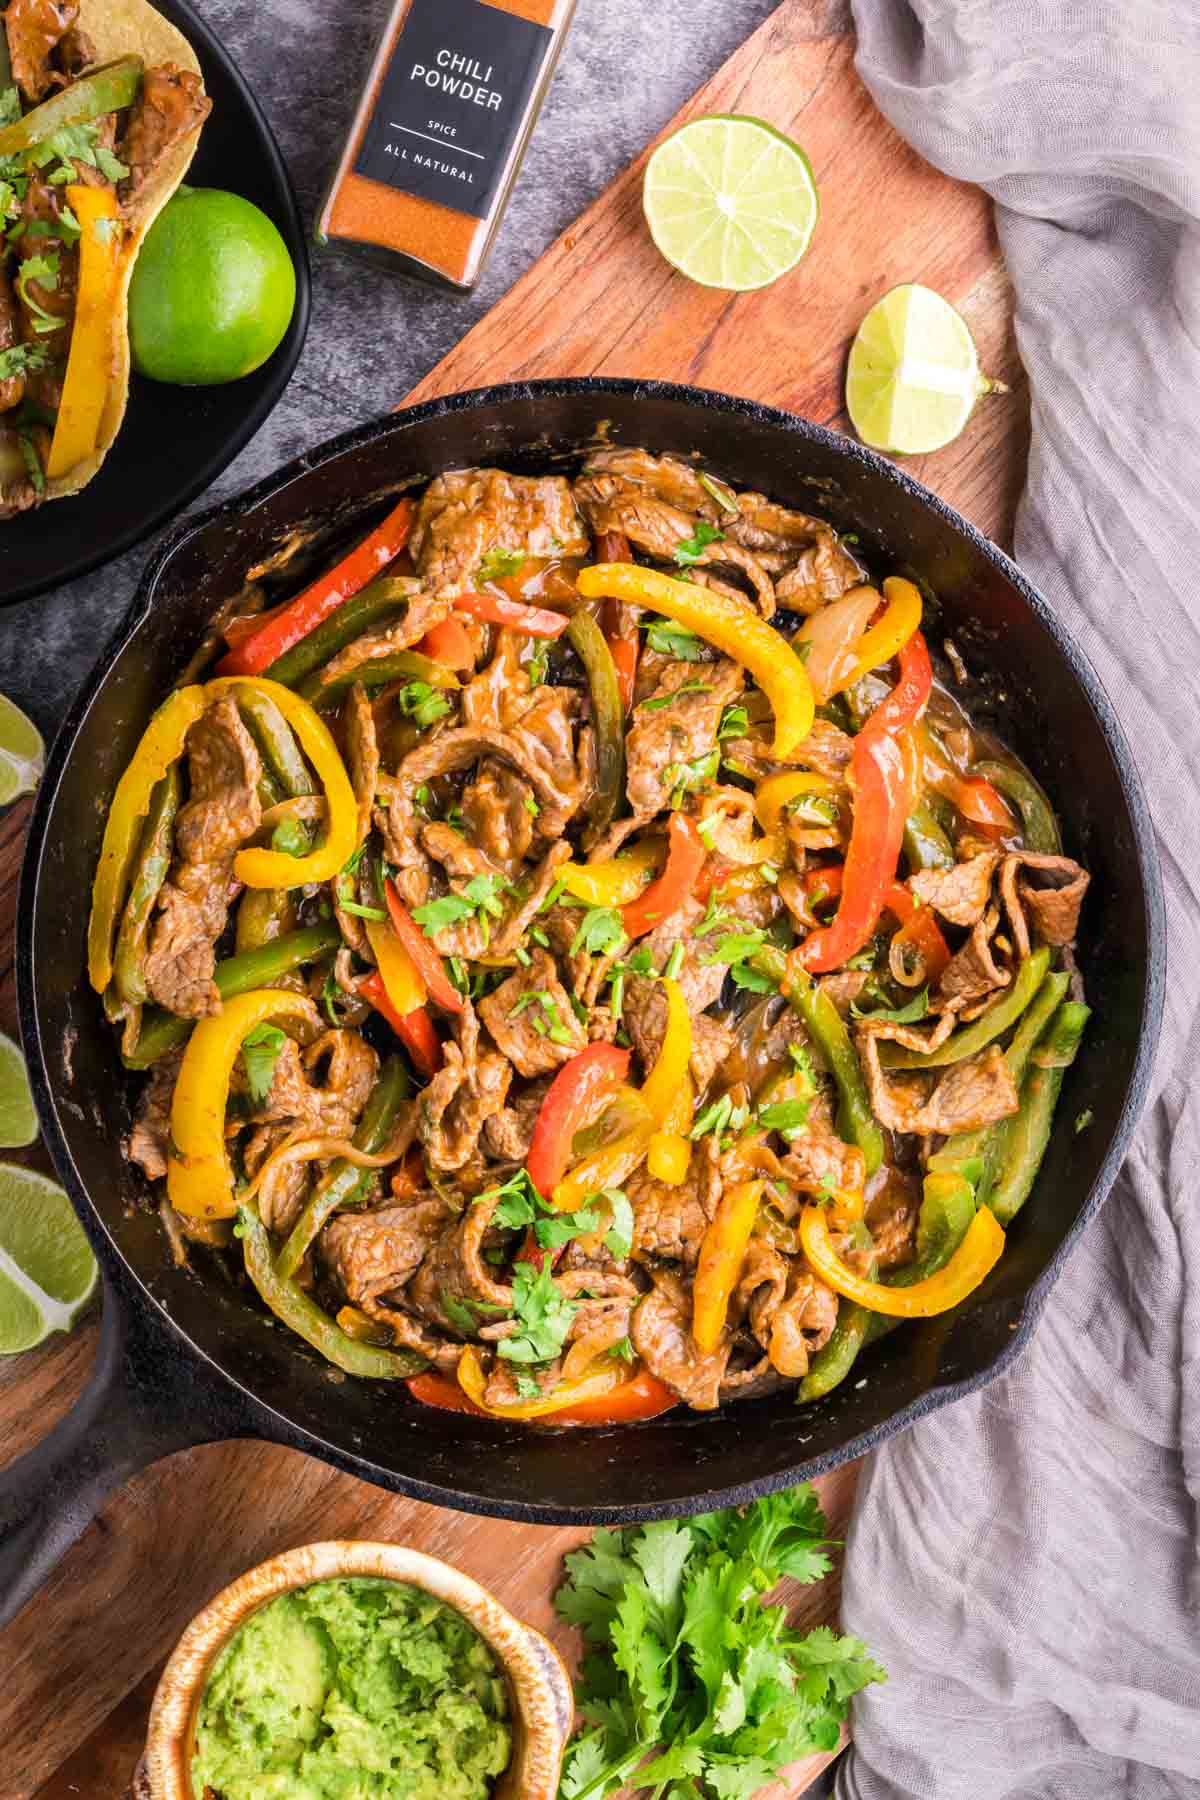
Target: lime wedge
730 202
913 376
18 1121
22 752
47 1270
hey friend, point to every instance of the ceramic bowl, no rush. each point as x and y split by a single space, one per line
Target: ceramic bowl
539 1686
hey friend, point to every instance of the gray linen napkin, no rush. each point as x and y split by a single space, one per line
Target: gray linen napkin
1026 1562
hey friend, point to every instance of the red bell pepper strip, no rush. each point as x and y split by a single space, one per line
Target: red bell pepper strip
430 966
643 1396
882 799
570 1099
498 609
239 630
685 858
448 643
288 624
919 928
979 802
442 1391
414 1029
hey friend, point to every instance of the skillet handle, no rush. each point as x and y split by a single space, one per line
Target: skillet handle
124 1420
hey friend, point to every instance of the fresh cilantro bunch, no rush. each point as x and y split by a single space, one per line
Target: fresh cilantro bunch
695 1690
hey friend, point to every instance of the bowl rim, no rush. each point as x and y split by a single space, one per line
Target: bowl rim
538 1680
283 1428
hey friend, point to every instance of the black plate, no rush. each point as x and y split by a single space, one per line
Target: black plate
185 1359
174 440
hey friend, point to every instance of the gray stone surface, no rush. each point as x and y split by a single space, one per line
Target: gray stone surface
626 69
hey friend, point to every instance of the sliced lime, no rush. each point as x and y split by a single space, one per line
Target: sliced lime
18 1121
730 201
22 752
47 1270
913 376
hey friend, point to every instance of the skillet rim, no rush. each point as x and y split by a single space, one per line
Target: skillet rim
283 1429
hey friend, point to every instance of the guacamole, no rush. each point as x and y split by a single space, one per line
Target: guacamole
354 1689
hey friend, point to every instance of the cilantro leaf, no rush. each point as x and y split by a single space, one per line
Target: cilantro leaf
669 639
557 1229
10 105
691 549
22 359
618 1238
260 1053
735 723
423 704
916 1009
787 1117
498 562
544 1316
601 929
481 895
685 687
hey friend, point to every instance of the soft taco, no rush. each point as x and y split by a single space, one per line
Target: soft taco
101 105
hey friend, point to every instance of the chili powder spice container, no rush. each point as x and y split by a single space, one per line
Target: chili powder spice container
437 141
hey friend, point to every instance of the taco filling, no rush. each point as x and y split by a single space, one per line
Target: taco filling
92 145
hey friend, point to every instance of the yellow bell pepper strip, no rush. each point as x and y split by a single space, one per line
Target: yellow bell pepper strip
660 1090
728 627
274 868
981 1031
975 1257
161 745
722 1253
670 1151
603 1381
611 1165
401 978
773 795
616 882
199 1178
89 375
889 634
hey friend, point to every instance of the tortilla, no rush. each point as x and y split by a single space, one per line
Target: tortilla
130 28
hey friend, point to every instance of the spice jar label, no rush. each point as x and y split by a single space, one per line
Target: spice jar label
451 102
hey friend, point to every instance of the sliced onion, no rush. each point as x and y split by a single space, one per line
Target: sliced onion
833 634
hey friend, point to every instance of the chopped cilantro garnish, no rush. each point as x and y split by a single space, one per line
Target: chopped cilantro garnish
531 806
22 359
499 562
683 778
260 1053
551 1025
673 963
692 549
538 663
44 270
685 687
423 704
544 1316
735 723
601 929
479 897
720 1117
670 639
787 1117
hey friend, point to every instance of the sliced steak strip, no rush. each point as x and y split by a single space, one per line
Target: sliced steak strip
454 1274
531 1018
467 1090
34 29
467 512
222 812
959 894
171 106
675 727
662 1336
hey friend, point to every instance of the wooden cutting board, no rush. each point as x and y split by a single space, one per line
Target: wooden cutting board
79 1663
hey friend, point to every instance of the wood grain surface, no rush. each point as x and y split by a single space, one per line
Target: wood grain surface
79 1662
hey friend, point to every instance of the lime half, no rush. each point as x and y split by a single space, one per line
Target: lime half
47 1270
18 1121
730 201
22 752
913 376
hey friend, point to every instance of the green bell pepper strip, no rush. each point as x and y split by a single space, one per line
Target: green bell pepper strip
1023 1139
926 845
1038 823
343 1184
378 601
608 717
279 749
975 1154
150 868
293 1307
856 1122
162 1031
100 91
947 1208
981 1031
400 665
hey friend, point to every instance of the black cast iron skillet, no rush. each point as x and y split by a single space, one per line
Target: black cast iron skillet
185 1360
